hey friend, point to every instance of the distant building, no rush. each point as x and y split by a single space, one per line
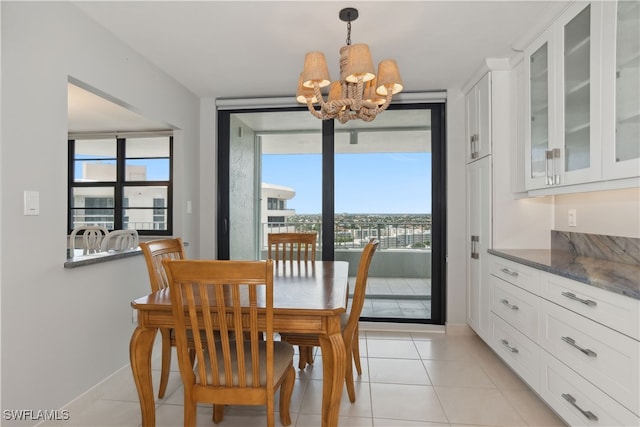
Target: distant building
99 201
274 211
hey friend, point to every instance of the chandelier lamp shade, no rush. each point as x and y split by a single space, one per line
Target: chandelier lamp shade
360 93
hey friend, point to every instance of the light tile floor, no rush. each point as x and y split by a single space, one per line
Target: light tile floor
409 379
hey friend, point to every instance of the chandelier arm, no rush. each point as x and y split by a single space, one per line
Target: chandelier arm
318 94
313 111
386 104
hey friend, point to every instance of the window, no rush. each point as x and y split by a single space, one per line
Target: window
121 183
275 204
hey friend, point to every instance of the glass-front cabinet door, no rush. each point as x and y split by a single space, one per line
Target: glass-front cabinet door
540 112
563 135
621 89
579 77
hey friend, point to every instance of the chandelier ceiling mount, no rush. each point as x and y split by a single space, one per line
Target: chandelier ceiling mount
359 93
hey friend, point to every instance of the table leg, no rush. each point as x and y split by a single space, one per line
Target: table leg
333 363
140 350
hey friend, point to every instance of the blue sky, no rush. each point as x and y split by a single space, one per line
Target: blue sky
395 183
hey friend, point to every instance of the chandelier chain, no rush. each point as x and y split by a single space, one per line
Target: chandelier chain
349 33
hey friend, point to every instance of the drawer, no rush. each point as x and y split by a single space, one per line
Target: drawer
604 357
513 272
576 400
516 306
616 311
518 351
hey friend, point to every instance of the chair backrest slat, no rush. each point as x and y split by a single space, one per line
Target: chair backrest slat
292 246
157 250
230 298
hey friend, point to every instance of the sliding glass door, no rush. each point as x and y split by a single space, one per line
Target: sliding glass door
284 170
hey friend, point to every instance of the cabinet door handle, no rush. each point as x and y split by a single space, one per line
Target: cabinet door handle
474 146
548 167
474 252
505 270
588 414
573 344
573 297
508 347
511 306
556 166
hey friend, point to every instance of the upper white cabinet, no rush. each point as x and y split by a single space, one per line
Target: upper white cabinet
563 89
621 89
478 123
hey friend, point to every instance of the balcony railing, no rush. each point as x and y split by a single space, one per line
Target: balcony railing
397 235
404 251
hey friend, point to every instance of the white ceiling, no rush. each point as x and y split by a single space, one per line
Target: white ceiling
235 49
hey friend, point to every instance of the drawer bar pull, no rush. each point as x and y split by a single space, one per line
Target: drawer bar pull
511 306
506 344
590 415
573 344
509 272
573 296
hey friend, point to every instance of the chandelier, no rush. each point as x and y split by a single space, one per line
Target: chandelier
359 94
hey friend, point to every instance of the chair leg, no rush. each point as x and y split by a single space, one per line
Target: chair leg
310 355
218 413
348 376
189 412
286 390
166 361
304 356
356 350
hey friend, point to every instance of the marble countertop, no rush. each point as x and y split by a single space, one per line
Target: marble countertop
613 276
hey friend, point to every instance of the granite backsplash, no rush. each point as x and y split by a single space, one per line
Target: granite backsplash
625 250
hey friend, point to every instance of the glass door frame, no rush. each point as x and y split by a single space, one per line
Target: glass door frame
438 195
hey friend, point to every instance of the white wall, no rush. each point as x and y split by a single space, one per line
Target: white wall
65 330
615 212
517 223
456 231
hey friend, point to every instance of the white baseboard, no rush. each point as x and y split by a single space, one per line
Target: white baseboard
458 329
400 327
94 394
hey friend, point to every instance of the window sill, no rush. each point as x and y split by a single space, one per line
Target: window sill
82 260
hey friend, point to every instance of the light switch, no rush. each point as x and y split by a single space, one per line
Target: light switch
571 218
31 203
189 207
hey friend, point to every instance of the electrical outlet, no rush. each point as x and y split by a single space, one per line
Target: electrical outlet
571 219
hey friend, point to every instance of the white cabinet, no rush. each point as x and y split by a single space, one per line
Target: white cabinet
582 109
576 345
621 89
478 218
576 400
516 349
601 355
563 136
478 121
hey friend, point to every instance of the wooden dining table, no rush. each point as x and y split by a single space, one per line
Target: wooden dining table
308 297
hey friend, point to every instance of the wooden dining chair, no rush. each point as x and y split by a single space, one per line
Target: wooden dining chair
217 299
294 247
91 237
349 321
154 252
